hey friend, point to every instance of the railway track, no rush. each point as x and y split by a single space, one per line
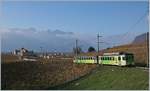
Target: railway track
144 68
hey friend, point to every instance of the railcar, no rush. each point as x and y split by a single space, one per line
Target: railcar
120 59
85 59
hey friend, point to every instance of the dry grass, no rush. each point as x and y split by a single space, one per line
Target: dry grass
8 58
41 74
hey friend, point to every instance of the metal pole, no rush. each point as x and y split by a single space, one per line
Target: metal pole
98 41
147 38
41 50
76 50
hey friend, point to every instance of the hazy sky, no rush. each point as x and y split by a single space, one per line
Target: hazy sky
56 25
107 18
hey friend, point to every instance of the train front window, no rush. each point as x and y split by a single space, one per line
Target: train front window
124 58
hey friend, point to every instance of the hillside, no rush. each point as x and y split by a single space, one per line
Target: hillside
110 78
140 39
138 47
139 51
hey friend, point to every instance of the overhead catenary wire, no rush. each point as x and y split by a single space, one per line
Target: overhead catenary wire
134 25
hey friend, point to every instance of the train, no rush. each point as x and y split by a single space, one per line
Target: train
114 58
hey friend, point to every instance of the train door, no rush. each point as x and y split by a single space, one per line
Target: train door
123 60
119 60
100 59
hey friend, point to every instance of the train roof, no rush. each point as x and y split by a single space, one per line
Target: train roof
117 53
104 54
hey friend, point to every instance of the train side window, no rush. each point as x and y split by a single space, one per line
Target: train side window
104 58
111 58
86 58
124 58
119 58
107 58
83 58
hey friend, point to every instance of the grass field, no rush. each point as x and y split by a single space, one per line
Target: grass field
111 78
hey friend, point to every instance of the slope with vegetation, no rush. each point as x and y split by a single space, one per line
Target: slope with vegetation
139 47
110 78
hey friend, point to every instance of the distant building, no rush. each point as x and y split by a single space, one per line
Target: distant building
24 53
16 52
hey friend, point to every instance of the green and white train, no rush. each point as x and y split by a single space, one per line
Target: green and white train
120 59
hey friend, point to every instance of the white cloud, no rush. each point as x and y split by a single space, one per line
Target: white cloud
33 39
52 40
